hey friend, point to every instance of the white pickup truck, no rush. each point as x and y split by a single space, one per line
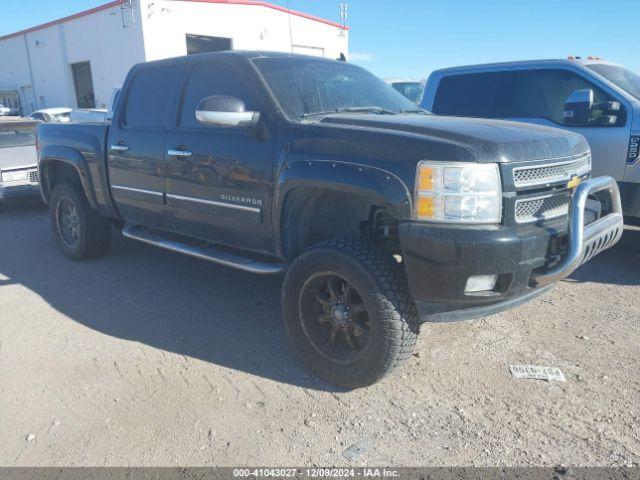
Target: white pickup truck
597 99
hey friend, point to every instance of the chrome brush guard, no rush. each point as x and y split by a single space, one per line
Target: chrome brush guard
586 241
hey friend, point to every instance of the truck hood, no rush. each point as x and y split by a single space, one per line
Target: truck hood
14 157
487 140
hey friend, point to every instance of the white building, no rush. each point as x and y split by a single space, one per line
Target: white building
78 60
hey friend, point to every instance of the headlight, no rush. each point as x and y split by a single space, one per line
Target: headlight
456 192
14 175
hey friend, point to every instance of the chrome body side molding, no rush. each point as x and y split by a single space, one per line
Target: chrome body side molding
214 203
137 190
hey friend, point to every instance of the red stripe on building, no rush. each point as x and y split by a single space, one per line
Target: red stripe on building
116 3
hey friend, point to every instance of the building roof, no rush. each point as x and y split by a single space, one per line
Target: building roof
116 3
271 5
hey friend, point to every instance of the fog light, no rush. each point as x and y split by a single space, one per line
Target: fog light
481 283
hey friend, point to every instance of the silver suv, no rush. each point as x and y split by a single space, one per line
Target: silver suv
598 99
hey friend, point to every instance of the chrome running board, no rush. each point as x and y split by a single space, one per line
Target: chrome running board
203 251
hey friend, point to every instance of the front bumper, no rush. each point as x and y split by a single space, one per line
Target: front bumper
24 187
9 192
527 259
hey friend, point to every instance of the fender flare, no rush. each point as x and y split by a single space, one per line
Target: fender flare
380 186
68 156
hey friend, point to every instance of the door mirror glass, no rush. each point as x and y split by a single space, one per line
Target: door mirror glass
608 107
578 107
580 110
226 111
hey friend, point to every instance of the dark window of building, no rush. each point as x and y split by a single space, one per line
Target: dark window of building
208 79
150 96
83 84
202 44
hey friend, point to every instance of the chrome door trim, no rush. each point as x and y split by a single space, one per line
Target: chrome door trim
179 153
137 190
118 148
214 203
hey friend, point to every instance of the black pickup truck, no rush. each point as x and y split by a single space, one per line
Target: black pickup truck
381 214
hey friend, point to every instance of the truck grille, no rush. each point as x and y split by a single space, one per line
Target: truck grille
33 176
541 208
553 173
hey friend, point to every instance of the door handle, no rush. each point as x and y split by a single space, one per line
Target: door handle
179 153
118 148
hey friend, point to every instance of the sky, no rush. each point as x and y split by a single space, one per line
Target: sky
411 38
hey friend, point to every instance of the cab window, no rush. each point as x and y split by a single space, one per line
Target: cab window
469 95
207 79
149 99
542 94
517 94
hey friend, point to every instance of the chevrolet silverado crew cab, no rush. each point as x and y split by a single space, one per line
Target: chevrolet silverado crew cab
597 99
383 216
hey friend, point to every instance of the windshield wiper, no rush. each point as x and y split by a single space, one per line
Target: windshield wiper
422 111
371 109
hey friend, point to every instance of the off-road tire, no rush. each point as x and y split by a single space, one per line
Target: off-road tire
382 284
95 231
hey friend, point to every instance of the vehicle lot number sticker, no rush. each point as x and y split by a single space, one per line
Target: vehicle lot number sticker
551 374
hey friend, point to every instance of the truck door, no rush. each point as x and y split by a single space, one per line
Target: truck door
136 145
540 97
219 179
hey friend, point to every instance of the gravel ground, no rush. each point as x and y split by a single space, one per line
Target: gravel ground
144 357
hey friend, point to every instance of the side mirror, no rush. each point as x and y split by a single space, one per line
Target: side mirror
578 107
608 107
226 111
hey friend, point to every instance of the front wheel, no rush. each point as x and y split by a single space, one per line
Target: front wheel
79 232
348 312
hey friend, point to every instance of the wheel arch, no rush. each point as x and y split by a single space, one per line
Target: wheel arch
64 165
310 193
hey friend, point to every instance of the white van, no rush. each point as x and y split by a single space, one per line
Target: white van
598 99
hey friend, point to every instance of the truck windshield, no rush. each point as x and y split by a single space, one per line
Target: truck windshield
623 78
305 87
17 136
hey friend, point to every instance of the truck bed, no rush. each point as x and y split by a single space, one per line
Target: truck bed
84 145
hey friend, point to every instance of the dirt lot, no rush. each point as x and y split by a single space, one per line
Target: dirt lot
148 358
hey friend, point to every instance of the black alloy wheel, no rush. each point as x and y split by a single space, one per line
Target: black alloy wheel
334 317
68 222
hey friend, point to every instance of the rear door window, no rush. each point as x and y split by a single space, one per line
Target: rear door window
467 95
151 95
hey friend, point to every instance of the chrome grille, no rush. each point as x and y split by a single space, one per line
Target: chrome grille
541 208
551 173
33 176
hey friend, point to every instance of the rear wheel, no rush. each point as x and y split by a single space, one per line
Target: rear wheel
79 232
348 312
